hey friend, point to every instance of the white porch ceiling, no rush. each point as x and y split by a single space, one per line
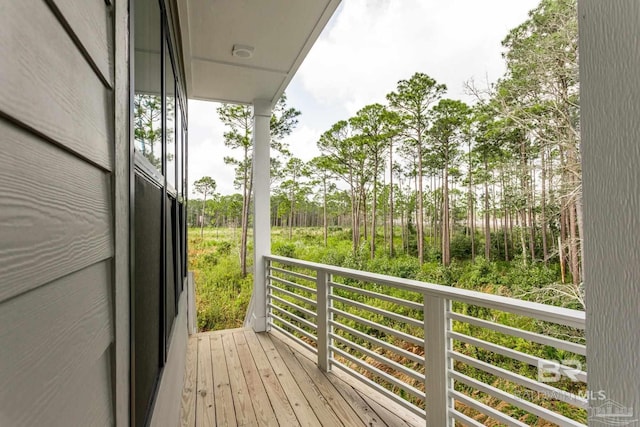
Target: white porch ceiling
281 31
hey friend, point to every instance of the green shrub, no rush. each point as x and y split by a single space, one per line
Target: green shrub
286 249
224 247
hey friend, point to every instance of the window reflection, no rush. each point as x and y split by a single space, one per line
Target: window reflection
147 97
170 91
179 147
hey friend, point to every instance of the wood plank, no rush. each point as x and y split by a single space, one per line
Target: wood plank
220 332
390 412
205 398
55 211
317 400
245 414
51 338
261 405
299 403
225 414
279 401
359 405
49 86
91 24
337 398
190 391
375 409
390 418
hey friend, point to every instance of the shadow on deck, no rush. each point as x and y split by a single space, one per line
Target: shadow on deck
238 377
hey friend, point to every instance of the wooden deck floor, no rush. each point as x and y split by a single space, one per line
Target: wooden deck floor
241 378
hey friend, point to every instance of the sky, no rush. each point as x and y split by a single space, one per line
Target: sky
367 47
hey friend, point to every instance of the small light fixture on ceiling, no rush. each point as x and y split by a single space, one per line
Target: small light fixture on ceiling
242 51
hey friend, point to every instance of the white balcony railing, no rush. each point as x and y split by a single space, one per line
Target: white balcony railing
447 354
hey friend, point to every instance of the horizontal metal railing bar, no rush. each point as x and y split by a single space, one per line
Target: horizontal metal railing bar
486 410
294 317
394 300
294 338
380 358
467 421
381 312
386 329
358 376
514 354
400 351
513 400
293 305
292 295
294 327
548 390
532 336
548 313
293 274
381 374
293 285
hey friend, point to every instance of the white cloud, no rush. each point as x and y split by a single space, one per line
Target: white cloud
206 146
368 46
302 142
373 44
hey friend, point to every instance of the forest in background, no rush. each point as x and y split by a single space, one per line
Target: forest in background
484 196
435 178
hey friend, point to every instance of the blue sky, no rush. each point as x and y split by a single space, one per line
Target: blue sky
367 47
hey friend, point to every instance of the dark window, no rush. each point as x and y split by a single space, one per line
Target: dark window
147 294
170 272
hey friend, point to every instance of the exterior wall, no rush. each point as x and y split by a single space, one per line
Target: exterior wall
610 105
56 213
169 398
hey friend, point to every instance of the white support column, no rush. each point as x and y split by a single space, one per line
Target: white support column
610 131
436 345
262 210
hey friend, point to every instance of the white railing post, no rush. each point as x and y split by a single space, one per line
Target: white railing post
436 345
322 307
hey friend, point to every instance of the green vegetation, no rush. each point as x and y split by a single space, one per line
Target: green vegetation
484 197
215 260
223 296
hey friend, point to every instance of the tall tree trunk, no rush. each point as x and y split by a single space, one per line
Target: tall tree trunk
364 212
562 239
573 242
471 214
420 218
373 208
532 215
204 203
291 209
354 214
391 253
446 255
505 225
543 208
248 185
487 215
325 224
523 227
